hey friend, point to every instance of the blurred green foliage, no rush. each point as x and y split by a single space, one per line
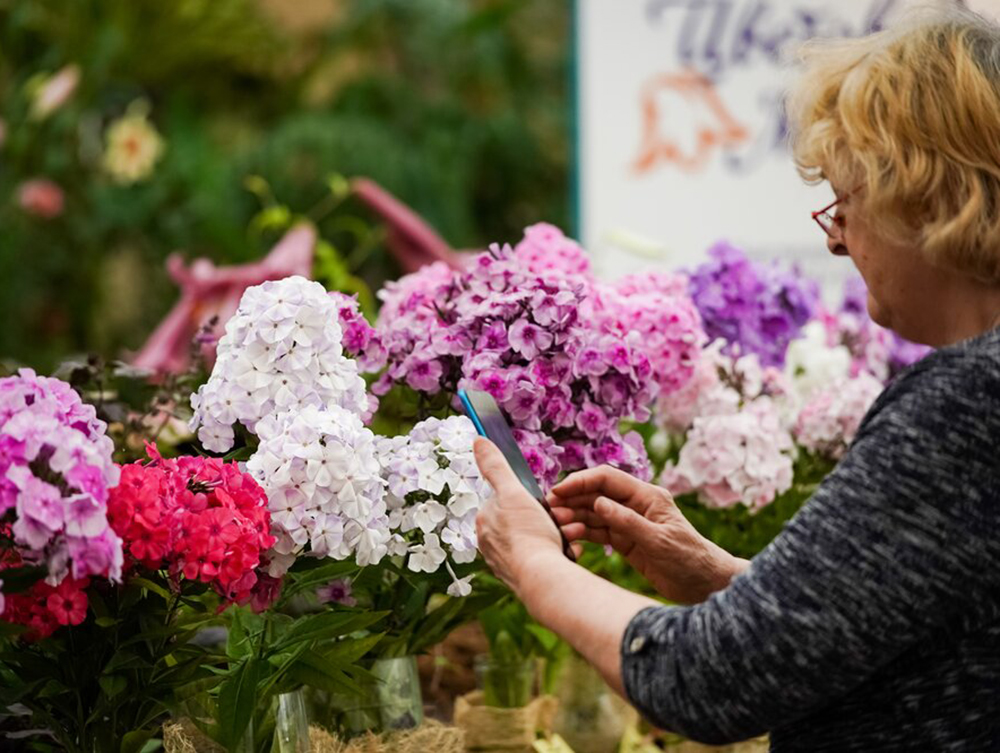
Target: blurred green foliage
457 106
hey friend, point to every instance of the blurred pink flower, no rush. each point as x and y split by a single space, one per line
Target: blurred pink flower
208 292
54 91
41 197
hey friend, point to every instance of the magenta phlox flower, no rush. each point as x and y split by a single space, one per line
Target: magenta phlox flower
529 339
542 455
496 383
360 340
336 592
55 471
524 402
567 357
494 337
591 420
422 374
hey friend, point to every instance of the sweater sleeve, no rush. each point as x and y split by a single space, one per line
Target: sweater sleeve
889 549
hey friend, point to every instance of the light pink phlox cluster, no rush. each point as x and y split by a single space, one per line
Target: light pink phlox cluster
830 420
655 314
743 457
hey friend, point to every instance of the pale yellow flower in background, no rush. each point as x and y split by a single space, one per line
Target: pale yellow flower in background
52 92
133 146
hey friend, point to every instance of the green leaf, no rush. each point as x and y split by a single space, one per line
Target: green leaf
125 660
238 641
240 453
313 670
349 650
154 587
325 626
134 741
112 685
99 607
18 579
237 699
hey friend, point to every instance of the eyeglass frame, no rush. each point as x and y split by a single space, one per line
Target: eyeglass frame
823 216
834 220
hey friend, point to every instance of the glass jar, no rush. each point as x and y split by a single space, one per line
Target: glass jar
291 723
508 684
592 718
391 700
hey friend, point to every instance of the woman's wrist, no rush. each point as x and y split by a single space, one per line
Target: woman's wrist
535 574
721 566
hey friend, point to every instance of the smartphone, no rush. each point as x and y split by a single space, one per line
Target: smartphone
486 416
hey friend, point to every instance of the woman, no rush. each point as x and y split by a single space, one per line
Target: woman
873 621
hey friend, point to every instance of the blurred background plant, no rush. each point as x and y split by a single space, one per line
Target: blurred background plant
130 129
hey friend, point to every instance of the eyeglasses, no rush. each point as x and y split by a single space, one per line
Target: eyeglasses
832 224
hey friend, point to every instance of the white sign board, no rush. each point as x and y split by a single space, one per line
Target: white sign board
681 137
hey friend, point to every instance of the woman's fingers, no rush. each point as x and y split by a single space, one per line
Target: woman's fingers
640 502
621 520
603 480
579 500
564 515
583 532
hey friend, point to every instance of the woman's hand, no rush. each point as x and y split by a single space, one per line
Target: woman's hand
516 535
607 506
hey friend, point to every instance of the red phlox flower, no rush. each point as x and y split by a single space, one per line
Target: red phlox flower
68 602
198 518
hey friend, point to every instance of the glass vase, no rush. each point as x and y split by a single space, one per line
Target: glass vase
390 701
291 723
508 684
592 718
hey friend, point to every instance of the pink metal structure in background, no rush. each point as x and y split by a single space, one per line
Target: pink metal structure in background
209 291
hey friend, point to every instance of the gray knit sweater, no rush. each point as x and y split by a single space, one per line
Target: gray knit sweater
873 621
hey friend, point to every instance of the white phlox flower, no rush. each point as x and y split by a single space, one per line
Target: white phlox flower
282 352
322 479
434 490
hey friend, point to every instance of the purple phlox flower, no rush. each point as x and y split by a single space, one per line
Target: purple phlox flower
423 375
336 592
494 337
591 420
529 339
524 403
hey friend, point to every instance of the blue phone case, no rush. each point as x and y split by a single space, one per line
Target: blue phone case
489 421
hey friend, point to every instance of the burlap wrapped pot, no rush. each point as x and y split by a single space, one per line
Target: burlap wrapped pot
489 729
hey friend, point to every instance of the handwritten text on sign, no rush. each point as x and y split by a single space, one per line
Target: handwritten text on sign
683 139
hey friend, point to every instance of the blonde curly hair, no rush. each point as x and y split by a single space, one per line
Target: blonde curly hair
911 117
